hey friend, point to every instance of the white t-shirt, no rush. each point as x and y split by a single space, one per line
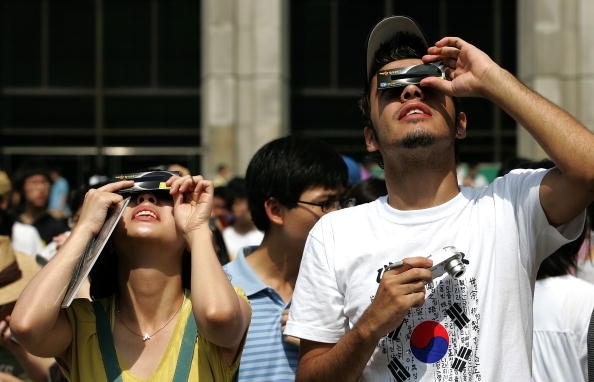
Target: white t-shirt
235 241
478 327
25 238
562 309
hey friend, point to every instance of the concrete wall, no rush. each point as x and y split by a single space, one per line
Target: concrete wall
244 79
556 58
245 71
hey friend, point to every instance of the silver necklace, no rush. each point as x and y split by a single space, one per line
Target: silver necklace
146 336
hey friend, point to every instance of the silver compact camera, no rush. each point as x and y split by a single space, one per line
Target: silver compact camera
450 260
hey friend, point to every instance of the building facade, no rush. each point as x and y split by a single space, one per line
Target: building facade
120 85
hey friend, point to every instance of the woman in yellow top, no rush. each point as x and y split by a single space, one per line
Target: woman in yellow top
143 315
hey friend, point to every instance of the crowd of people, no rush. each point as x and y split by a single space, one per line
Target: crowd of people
310 267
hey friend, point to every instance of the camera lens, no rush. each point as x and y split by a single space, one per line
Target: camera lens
455 268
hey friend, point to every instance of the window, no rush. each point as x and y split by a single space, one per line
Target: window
328 63
79 78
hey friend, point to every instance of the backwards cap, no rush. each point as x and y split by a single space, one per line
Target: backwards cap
385 30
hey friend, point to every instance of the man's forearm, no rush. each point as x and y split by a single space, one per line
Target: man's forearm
553 128
344 362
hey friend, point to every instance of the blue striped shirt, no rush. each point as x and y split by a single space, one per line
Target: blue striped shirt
266 356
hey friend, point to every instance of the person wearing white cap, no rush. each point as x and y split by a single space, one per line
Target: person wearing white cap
434 281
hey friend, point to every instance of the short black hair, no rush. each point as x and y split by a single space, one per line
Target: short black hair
27 170
285 167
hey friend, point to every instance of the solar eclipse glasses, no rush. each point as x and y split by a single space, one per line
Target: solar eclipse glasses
410 75
149 181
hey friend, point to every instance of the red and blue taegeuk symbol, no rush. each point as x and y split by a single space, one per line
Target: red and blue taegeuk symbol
429 342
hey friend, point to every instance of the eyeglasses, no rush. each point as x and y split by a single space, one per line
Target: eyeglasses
331 205
400 77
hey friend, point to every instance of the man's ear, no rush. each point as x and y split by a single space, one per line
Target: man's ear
461 125
370 139
274 211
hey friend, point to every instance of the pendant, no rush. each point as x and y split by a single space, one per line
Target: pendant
146 337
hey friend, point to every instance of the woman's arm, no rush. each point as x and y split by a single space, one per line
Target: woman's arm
221 314
38 322
563 138
36 368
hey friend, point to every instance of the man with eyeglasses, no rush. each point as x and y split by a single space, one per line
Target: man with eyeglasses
291 183
369 304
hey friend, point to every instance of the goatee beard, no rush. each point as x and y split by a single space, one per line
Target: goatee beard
418 139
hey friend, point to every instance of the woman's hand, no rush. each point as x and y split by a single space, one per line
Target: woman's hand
192 202
96 204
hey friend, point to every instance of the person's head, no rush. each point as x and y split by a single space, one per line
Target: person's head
223 170
146 236
237 202
33 183
54 173
182 170
367 190
398 42
290 172
220 207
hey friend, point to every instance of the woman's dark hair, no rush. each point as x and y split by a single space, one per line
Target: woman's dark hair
218 242
285 167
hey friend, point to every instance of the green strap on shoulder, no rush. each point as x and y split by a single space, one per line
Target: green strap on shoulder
186 351
108 352
110 361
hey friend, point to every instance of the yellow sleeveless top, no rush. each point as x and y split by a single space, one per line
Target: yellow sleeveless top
87 365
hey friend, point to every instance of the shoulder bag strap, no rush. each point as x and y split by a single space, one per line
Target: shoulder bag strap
186 350
108 353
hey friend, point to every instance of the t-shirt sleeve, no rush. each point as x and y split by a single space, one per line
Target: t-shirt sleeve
317 306
523 188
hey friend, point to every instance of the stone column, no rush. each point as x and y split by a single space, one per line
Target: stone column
244 79
555 58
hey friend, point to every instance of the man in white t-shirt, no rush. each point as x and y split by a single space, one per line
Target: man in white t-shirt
366 306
